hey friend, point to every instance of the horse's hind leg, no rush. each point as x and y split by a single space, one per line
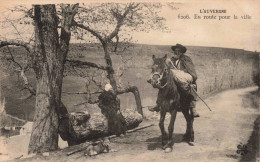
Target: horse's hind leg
161 125
192 130
171 129
171 125
189 135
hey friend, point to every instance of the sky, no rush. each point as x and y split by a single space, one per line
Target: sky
230 33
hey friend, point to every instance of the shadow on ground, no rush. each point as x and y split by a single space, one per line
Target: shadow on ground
156 142
253 143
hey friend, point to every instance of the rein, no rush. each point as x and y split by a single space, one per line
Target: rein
161 76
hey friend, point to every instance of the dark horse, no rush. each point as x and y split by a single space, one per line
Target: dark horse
170 101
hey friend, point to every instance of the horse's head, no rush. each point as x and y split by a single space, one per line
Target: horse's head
159 71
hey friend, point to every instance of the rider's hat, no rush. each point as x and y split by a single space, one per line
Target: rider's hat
183 49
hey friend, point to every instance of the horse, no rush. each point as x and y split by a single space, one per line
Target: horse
170 97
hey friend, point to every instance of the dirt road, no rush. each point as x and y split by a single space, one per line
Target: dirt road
217 134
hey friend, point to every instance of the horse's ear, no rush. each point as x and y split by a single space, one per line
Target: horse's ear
153 57
165 57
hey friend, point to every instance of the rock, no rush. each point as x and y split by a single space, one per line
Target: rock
168 150
133 118
46 154
97 124
78 118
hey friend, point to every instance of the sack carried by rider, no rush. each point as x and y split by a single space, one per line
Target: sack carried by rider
183 79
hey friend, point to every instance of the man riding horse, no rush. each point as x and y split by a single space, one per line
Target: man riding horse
187 95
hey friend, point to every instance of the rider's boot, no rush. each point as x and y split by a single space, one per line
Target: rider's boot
155 108
194 112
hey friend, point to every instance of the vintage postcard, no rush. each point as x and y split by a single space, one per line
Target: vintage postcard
130 80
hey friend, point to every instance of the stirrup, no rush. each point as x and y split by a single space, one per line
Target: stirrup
195 115
155 108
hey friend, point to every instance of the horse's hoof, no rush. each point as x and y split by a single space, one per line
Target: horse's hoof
191 143
165 146
168 149
168 145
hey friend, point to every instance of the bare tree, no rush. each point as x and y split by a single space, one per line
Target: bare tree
108 23
47 55
49 58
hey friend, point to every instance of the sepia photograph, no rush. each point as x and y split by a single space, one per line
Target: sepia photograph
130 81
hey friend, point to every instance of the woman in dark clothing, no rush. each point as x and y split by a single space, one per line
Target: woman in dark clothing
110 107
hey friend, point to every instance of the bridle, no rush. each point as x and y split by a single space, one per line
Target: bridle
161 75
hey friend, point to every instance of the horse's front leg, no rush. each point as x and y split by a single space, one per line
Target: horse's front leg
161 125
171 129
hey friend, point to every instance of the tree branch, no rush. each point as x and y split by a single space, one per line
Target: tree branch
82 63
12 58
117 28
135 91
82 92
116 43
93 32
120 20
21 70
16 43
27 84
68 13
87 102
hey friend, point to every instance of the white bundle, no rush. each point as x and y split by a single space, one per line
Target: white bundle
182 78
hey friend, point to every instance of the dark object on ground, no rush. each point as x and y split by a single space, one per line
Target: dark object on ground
98 148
